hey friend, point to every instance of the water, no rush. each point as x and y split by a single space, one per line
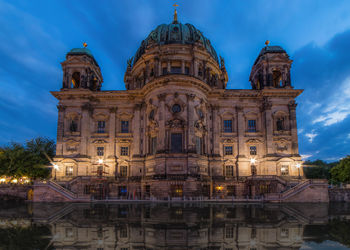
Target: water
174 226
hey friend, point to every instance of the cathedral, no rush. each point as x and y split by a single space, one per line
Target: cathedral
176 132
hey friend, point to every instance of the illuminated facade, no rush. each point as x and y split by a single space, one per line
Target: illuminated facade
176 131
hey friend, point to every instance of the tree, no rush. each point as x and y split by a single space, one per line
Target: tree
318 169
31 159
341 172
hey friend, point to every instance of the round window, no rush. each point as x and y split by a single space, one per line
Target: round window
176 108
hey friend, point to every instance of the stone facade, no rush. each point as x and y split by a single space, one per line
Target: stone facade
177 131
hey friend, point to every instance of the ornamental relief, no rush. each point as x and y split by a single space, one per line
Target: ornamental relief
72 146
229 140
175 123
281 147
199 126
254 141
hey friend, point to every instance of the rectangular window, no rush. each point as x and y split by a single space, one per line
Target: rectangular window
176 70
251 125
122 190
123 232
87 189
125 126
229 171
229 232
176 143
231 191
187 70
253 169
176 190
100 151
285 170
124 151
123 171
69 171
228 126
253 150
228 150
101 125
100 170
165 71
199 145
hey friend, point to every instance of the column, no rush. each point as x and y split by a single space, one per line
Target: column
190 123
216 131
85 128
136 127
293 127
60 129
183 67
111 147
240 131
161 143
268 127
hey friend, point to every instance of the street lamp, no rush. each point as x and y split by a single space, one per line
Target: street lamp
100 161
55 166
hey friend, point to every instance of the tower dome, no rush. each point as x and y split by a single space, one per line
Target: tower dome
175 33
175 49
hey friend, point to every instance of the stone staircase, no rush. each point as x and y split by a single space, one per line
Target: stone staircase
303 185
63 191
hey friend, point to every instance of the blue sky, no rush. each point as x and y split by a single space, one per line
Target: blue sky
35 36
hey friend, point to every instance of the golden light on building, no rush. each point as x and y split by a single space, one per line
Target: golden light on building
219 188
100 161
252 160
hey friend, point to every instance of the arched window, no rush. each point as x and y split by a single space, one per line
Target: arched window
277 78
76 80
73 127
280 124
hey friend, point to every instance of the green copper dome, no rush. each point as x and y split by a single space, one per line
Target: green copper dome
175 33
80 51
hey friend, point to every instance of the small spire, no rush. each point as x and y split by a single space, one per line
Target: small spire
85 45
175 13
267 42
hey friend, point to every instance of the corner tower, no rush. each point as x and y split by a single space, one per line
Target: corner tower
80 70
271 69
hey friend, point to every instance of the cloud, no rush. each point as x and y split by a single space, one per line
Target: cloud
305 157
338 107
311 136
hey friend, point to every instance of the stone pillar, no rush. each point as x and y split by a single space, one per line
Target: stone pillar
85 128
111 148
195 68
156 67
169 67
216 131
136 129
60 129
190 123
293 127
161 143
160 69
182 67
240 131
268 127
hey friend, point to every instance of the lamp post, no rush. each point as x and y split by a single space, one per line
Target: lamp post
55 166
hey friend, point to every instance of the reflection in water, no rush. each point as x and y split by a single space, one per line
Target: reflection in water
172 226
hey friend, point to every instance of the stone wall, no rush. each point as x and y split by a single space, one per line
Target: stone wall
11 191
339 195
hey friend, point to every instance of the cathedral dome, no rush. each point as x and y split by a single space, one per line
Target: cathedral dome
175 33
